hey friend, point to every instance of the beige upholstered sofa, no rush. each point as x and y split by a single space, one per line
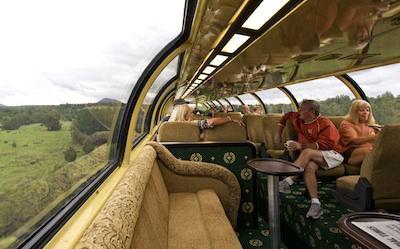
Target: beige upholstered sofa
163 202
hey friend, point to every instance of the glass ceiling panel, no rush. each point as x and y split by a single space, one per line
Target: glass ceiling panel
381 85
167 74
224 102
235 103
375 81
333 96
249 99
273 96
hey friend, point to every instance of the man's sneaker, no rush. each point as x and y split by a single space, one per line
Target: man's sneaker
284 187
315 211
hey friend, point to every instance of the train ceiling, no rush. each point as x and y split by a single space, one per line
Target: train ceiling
234 51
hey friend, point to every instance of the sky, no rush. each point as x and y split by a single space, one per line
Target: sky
80 51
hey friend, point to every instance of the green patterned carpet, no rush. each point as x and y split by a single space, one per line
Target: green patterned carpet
321 233
256 238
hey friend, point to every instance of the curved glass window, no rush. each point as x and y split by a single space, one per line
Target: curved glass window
381 85
251 102
167 74
217 105
237 106
225 103
275 100
333 96
67 71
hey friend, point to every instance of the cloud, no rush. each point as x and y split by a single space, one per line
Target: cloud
80 51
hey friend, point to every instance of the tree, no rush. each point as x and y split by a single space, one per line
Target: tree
51 122
14 122
70 154
87 123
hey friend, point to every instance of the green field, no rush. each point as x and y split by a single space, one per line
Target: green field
37 153
35 177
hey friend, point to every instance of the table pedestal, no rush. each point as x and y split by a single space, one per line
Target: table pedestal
274 168
273 211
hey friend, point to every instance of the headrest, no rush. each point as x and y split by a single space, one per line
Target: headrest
178 132
226 132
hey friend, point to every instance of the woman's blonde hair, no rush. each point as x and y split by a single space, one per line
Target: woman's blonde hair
180 113
352 115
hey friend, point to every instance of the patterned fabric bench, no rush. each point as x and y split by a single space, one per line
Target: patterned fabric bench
163 202
233 156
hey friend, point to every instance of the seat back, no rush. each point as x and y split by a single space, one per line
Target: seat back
254 127
270 125
178 132
233 115
227 132
336 120
381 168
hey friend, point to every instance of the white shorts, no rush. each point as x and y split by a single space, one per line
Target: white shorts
332 159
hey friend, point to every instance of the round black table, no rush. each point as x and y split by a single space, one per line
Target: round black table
274 168
348 225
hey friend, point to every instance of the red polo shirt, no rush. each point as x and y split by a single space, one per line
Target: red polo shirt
320 131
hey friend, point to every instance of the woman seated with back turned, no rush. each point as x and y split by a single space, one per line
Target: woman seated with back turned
184 112
358 132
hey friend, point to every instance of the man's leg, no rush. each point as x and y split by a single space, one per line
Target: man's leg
305 157
314 160
310 179
303 160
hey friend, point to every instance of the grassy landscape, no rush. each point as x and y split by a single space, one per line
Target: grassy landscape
31 152
35 177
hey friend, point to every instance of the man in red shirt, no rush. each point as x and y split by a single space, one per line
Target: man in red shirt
318 143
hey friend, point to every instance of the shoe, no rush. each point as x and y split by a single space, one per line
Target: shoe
284 187
315 211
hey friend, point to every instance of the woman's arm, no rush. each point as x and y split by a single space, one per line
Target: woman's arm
363 140
220 121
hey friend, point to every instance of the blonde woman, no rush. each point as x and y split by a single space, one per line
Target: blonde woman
185 113
358 132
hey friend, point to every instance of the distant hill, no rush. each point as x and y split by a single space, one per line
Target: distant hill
2 105
108 101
